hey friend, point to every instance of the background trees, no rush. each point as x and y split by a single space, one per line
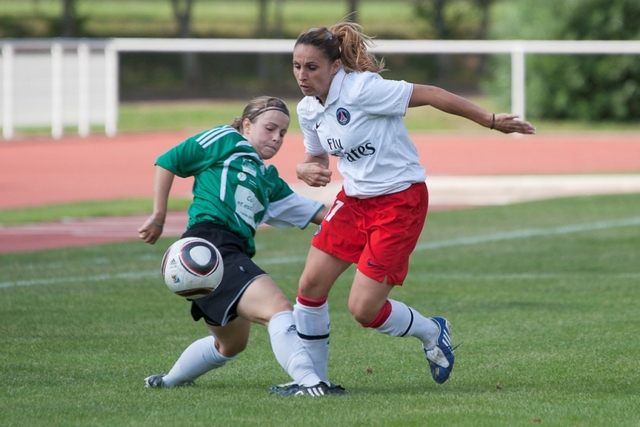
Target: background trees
559 86
583 87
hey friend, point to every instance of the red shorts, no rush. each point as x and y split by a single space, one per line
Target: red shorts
378 234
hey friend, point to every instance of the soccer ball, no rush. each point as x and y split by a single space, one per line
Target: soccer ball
192 267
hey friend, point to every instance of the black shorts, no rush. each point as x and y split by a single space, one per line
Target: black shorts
220 306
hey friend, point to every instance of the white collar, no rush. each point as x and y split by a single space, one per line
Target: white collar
336 87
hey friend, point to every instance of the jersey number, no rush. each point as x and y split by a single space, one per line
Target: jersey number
337 205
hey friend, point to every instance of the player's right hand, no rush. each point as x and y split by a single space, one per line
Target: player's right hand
313 174
149 232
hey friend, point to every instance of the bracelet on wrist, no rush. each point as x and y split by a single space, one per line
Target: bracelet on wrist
493 121
155 223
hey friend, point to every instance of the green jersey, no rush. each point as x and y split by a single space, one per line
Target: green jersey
233 187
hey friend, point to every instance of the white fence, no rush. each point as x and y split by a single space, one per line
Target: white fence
76 80
56 83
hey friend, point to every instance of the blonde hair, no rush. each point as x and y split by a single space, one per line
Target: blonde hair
256 107
344 41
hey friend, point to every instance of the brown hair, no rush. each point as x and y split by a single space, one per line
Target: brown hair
344 41
258 106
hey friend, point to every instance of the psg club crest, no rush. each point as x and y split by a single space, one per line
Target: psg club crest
343 116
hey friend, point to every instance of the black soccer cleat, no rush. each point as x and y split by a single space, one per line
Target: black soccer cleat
320 389
157 381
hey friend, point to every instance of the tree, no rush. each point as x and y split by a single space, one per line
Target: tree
69 20
190 64
577 87
262 18
353 10
485 7
270 66
455 20
483 28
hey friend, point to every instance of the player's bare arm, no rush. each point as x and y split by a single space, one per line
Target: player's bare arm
314 170
151 230
453 104
319 216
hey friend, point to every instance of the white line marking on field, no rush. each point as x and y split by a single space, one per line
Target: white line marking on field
522 276
529 232
144 274
462 241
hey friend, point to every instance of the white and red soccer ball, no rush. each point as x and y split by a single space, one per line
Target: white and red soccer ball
192 267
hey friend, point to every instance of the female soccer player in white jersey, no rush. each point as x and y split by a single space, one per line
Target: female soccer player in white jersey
351 112
233 192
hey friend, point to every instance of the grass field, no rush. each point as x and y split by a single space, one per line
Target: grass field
90 209
197 115
543 295
220 18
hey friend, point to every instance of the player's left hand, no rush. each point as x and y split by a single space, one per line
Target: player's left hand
511 123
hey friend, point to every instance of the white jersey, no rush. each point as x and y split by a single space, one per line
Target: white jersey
362 124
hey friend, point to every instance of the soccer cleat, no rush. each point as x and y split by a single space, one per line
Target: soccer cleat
441 356
156 381
320 389
284 389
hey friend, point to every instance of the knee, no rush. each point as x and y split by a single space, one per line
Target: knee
305 284
313 286
231 349
361 312
270 309
281 304
369 313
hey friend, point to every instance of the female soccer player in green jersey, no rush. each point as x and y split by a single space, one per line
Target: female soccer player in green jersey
234 192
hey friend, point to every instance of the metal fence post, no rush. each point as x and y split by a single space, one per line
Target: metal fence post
57 127
518 80
7 91
111 87
83 90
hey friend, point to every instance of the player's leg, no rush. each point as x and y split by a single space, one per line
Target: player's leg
396 319
384 262
205 354
311 310
335 246
264 303
370 306
395 223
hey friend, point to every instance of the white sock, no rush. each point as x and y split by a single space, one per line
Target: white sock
313 329
406 322
197 359
289 350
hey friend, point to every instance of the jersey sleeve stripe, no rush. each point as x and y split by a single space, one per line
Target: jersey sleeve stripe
213 135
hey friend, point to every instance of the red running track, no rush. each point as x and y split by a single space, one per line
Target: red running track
42 171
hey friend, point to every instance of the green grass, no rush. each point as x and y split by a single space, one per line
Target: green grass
182 115
198 115
220 18
549 325
83 210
